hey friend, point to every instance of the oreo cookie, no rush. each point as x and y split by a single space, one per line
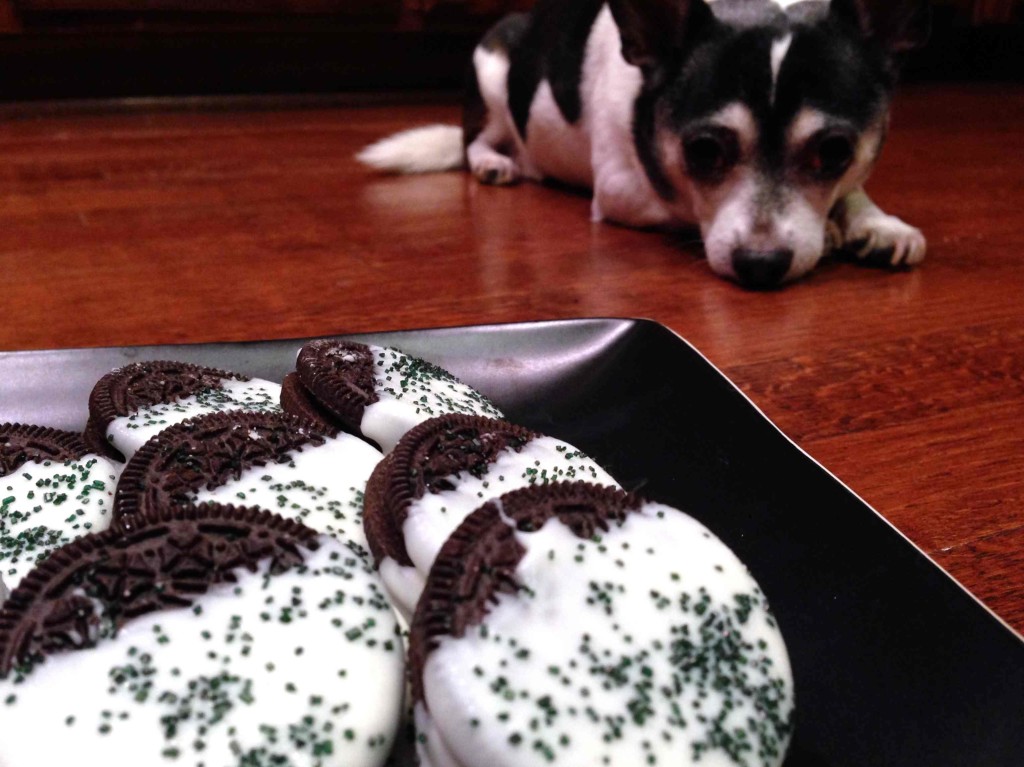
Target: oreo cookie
574 623
129 405
380 392
21 443
296 401
89 588
271 460
52 491
441 471
206 634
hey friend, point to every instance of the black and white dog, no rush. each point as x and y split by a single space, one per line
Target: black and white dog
758 121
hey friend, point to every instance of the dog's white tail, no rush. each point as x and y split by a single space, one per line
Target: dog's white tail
428 149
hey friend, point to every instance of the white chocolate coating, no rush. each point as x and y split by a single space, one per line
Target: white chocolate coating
45 504
430 520
403 584
129 433
409 392
306 665
321 486
652 645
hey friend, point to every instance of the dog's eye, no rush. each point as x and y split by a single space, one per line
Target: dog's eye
709 156
831 154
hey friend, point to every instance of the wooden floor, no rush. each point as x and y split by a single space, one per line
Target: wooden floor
161 226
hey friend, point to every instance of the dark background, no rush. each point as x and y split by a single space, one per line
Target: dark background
85 49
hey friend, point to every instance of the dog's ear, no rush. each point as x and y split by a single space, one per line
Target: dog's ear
655 33
898 25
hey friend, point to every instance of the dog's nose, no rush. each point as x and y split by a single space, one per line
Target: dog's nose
761 268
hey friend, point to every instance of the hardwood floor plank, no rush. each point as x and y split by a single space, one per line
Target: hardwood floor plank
891 381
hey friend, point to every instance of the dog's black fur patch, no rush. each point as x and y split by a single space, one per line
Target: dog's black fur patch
552 48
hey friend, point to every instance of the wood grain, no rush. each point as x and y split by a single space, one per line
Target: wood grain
162 226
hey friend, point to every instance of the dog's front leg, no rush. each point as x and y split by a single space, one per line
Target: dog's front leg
624 196
870 233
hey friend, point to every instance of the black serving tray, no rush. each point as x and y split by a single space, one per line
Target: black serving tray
896 665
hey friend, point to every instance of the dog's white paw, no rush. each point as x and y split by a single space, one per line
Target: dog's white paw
879 236
494 168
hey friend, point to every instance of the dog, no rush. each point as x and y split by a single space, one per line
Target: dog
757 121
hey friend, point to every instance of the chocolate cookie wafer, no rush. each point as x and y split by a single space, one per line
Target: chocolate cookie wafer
296 401
206 635
574 624
439 472
271 460
52 491
129 405
380 392
21 443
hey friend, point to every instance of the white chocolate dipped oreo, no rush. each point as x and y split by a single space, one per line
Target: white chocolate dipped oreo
440 472
580 626
270 460
130 405
381 392
52 491
290 655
